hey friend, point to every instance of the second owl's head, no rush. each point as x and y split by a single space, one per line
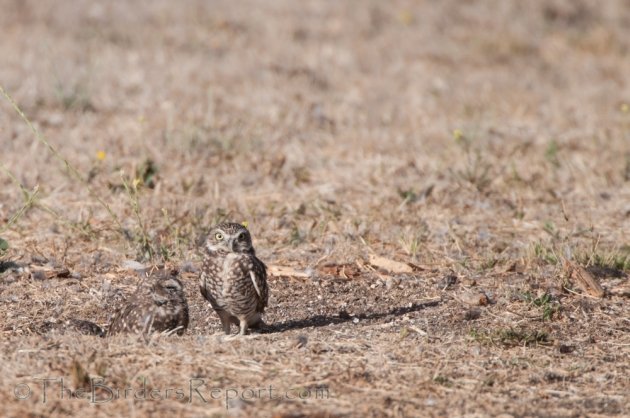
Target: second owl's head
167 287
229 237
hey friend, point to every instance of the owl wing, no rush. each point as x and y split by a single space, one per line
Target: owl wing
258 274
118 323
133 317
205 287
208 283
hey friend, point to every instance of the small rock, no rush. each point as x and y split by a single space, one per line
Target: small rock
555 376
49 273
236 405
474 297
36 259
472 314
391 282
188 267
10 279
447 281
430 402
132 265
301 341
38 275
467 281
344 314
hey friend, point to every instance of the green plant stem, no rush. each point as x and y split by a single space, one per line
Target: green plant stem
69 167
17 215
135 204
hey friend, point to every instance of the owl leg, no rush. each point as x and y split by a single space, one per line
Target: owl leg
225 321
243 327
242 323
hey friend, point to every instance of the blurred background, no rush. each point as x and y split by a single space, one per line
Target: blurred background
320 123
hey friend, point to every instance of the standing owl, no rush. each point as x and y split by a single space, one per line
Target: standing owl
232 278
160 307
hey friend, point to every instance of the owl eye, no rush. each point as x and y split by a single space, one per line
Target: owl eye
218 236
242 237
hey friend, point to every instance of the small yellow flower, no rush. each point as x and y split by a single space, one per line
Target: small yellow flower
136 182
100 155
625 107
406 17
245 223
457 134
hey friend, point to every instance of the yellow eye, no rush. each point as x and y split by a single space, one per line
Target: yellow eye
218 236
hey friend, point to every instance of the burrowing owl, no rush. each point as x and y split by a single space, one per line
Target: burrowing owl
232 278
159 307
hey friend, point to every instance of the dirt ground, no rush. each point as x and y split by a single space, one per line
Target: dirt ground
427 181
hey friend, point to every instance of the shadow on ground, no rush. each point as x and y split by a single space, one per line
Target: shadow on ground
325 320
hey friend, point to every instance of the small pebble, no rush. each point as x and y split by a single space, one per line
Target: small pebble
472 314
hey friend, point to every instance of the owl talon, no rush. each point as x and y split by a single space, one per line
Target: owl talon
231 337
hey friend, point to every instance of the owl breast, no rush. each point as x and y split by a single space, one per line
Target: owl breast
212 279
229 276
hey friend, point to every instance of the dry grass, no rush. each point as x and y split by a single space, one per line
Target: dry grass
483 142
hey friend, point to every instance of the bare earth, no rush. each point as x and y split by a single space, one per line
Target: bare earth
427 181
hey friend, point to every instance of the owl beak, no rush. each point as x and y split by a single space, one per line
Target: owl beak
159 300
231 243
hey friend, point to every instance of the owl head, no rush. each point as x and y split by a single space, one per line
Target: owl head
229 237
168 288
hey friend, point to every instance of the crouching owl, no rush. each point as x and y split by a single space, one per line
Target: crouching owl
159 307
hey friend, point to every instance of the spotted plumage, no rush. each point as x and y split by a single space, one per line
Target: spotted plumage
159 307
85 327
72 325
232 278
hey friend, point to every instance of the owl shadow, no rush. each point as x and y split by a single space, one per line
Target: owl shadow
317 321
